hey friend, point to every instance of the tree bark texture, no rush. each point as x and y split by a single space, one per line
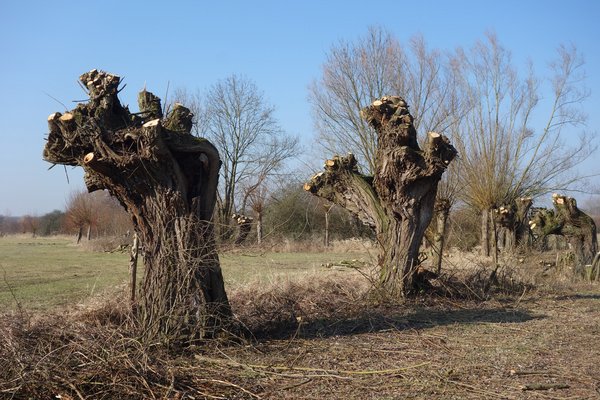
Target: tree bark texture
512 219
166 179
397 202
133 262
569 221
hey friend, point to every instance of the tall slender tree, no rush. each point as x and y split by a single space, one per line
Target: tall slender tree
234 115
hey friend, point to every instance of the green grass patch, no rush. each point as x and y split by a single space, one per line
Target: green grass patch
46 272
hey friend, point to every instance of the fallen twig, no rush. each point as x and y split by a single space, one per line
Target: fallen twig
545 386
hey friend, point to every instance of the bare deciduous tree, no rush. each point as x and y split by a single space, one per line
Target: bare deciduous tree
503 155
30 224
376 65
236 118
82 211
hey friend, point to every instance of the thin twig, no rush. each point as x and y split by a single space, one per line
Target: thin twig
55 99
227 383
343 372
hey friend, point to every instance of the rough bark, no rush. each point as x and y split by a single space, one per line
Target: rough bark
133 261
166 180
397 202
512 221
569 221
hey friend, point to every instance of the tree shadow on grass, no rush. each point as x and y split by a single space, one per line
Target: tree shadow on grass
382 320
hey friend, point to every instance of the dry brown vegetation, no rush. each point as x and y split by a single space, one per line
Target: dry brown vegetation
482 335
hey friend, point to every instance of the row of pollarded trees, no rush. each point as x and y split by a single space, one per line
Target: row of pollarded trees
167 179
511 144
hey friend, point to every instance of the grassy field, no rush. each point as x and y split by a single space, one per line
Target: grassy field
42 273
312 333
45 272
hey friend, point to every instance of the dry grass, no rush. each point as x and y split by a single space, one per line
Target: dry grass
324 338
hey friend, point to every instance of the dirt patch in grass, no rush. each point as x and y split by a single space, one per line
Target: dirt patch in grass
327 338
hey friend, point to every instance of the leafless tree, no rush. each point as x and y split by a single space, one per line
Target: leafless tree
504 156
81 211
252 145
30 224
97 211
356 73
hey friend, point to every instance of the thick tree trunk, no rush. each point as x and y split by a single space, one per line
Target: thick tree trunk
398 201
89 233
166 179
512 220
441 210
569 221
522 233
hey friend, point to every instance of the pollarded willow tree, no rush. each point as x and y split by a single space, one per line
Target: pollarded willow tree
505 156
576 226
166 179
398 201
355 73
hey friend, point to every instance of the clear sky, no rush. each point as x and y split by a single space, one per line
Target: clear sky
280 45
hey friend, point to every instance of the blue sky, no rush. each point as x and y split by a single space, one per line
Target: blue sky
280 45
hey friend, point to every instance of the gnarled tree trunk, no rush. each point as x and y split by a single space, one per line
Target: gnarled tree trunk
397 202
166 179
512 218
569 221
